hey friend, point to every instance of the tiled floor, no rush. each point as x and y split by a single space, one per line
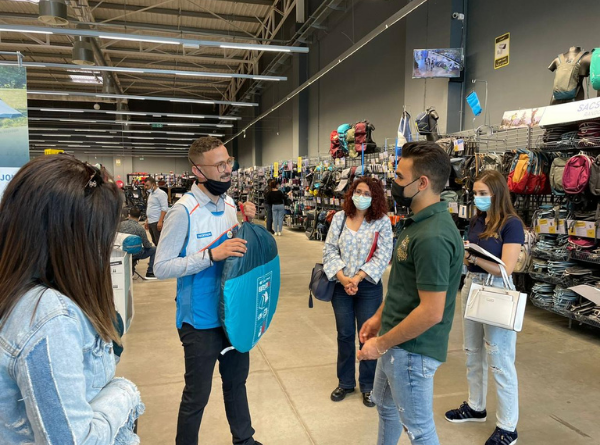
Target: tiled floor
293 373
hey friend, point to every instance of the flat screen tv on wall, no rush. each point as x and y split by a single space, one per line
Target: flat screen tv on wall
432 63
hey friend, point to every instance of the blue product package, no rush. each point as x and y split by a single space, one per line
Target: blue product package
250 288
473 102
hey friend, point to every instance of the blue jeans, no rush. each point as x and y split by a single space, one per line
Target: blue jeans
278 215
403 393
147 252
489 344
350 314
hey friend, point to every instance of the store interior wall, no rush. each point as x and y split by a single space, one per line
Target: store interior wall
539 31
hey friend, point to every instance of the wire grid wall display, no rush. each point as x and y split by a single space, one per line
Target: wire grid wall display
499 140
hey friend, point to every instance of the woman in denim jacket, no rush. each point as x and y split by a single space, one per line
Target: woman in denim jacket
497 229
359 291
58 220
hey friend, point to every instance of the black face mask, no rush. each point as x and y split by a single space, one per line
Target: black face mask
216 188
398 194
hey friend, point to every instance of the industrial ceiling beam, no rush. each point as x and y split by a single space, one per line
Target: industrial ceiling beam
171 12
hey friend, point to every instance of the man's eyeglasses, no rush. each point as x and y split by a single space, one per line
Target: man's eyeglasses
221 166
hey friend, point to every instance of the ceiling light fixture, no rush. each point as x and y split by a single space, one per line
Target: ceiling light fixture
133 97
191 124
187 43
147 71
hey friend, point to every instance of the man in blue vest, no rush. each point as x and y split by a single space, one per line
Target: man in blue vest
198 235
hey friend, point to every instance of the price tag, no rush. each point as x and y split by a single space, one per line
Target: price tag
591 233
462 212
537 229
552 230
453 207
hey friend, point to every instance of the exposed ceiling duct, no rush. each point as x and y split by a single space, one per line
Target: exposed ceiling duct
53 12
83 51
124 108
108 84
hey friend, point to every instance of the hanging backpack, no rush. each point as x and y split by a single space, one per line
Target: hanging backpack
342 132
566 77
335 150
577 174
556 175
594 183
595 69
528 175
492 161
363 138
350 136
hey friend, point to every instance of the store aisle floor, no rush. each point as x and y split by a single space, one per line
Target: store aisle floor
293 372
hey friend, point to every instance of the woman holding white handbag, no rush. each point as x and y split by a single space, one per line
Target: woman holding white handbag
497 229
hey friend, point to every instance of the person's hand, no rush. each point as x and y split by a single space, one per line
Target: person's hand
351 289
370 328
369 351
159 225
146 226
356 279
249 209
232 247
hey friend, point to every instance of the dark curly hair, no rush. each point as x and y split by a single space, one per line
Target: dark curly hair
379 205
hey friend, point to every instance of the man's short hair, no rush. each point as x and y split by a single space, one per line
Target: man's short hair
135 212
429 159
151 180
202 145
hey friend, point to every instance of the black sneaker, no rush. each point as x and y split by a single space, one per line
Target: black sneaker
466 414
367 400
502 437
339 394
150 276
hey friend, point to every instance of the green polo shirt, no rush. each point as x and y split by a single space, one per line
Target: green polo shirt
428 257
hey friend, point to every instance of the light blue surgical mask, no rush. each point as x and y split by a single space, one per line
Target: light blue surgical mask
483 203
361 202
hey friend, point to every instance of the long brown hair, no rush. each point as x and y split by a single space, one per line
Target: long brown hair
379 205
58 220
502 208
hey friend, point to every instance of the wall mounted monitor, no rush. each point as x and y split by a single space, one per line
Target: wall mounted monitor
434 63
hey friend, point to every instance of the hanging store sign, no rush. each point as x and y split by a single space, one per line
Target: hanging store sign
276 169
14 132
502 51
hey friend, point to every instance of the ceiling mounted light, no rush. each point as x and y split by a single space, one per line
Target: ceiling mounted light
83 52
53 12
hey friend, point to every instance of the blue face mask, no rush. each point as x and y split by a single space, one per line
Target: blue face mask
483 203
361 202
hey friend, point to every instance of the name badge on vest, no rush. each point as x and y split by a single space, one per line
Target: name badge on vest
230 234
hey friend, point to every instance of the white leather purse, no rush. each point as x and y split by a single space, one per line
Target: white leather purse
501 307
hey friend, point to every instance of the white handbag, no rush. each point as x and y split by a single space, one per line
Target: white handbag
501 307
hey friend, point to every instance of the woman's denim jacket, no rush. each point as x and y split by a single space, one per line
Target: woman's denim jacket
57 382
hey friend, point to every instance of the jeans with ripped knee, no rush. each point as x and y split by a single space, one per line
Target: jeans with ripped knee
485 344
403 393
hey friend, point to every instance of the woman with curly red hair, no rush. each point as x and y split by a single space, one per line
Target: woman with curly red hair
356 253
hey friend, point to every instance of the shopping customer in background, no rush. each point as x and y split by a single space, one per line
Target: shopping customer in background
268 209
132 226
156 208
58 221
409 333
276 199
197 238
497 229
356 253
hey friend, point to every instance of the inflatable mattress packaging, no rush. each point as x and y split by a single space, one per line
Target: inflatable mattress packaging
250 288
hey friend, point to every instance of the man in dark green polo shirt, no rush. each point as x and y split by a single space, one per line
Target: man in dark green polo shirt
415 319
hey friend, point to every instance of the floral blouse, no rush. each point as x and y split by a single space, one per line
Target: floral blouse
349 251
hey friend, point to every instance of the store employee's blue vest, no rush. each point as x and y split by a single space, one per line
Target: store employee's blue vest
198 295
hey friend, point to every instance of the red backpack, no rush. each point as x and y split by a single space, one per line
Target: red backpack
335 149
528 174
576 174
363 139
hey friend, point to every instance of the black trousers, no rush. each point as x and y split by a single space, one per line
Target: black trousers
154 233
202 349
